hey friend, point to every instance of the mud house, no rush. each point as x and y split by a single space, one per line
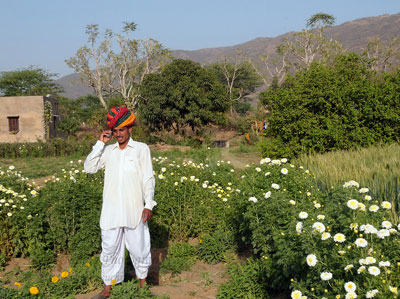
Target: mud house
28 118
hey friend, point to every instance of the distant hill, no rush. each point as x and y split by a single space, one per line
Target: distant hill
354 36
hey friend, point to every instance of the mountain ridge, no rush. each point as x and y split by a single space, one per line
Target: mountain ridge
354 35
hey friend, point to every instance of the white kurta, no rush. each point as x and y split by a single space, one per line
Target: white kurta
128 183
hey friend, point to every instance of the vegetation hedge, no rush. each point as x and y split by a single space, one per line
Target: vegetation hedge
327 108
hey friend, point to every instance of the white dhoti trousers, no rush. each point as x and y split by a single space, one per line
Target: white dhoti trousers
112 257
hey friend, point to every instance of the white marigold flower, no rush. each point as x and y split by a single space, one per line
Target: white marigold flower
192 178
353 226
258 169
276 162
262 161
361 269
267 160
11 167
283 160
292 202
386 224
393 289
374 271
311 260
368 229
267 195
275 186
253 199
267 173
9 214
353 204
284 171
325 236
176 183
29 217
163 169
363 190
346 185
317 205
160 176
369 260
373 208
296 294
368 197
383 233
319 227
340 238
361 206
225 199
372 293
348 267
309 194
386 205
351 295
326 275
384 264
205 185
299 227
350 286
321 217
303 215
361 242
354 184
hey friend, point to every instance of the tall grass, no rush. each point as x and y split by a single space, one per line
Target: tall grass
376 167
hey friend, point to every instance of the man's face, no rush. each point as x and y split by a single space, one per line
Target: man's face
122 134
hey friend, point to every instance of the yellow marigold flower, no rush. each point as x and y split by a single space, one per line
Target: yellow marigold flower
55 279
113 282
87 264
70 270
64 274
17 284
34 290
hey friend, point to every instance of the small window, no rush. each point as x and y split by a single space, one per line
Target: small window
13 123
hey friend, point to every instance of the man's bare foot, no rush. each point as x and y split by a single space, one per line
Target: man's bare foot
105 293
141 282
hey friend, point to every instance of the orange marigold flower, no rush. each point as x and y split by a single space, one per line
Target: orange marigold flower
55 279
87 264
113 282
64 274
17 284
34 290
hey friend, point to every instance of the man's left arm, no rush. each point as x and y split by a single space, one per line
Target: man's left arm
148 184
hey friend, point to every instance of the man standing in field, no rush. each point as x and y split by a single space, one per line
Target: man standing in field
127 199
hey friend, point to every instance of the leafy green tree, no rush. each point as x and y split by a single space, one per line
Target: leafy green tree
28 82
182 94
334 107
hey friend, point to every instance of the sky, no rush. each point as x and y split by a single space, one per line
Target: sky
44 33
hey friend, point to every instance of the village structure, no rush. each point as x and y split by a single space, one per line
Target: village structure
28 118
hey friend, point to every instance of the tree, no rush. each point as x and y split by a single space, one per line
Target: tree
122 72
182 94
300 51
237 75
28 82
383 56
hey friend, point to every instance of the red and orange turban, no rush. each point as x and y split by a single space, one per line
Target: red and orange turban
120 117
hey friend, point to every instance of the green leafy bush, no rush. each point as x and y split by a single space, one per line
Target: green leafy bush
213 247
245 281
327 108
131 289
180 257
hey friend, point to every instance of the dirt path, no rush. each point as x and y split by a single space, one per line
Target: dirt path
240 160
